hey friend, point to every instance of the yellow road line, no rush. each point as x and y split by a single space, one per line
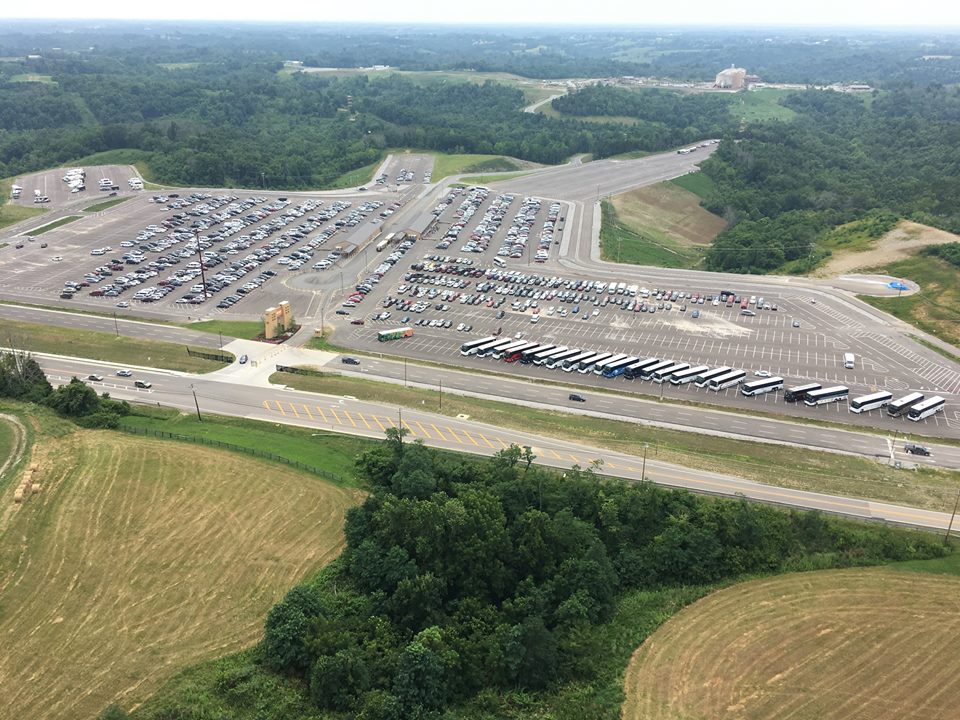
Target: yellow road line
423 430
470 438
322 413
364 420
337 417
556 455
456 439
437 431
306 409
390 421
266 406
413 432
489 444
505 445
294 409
280 407
377 421
574 458
349 418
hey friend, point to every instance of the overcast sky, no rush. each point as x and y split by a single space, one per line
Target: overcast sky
721 13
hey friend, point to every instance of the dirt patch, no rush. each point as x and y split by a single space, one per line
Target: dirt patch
835 645
141 557
898 244
668 209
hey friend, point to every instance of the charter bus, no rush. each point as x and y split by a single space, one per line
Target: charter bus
660 375
865 403
618 368
499 351
636 368
586 365
542 357
761 386
704 378
572 363
395 334
689 375
559 359
472 346
601 366
512 354
722 382
530 353
649 370
798 393
898 407
493 346
925 409
825 395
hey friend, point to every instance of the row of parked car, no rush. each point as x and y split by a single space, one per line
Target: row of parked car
368 283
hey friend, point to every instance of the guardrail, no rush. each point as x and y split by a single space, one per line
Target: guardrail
162 434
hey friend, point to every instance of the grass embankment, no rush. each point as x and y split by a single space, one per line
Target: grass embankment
243 329
103 346
445 165
780 465
135 561
761 106
935 309
33 78
355 178
699 183
12 214
619 242
106 205
331 452
52 225
833 645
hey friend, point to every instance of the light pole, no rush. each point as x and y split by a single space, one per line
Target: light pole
952 516
323 309
643 468
203 275
220 333
441 394
404 372
197 404
116 325
341 282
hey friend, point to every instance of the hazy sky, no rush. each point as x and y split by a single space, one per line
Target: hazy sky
721 13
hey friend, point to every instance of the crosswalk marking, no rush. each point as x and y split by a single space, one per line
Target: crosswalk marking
454 435
306 409
422 430
280 408
364 420
489 444
293 408
377 421
322 413
349 418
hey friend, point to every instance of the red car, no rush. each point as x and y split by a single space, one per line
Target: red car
358 321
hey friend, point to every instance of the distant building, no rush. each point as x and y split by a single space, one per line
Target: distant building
733 78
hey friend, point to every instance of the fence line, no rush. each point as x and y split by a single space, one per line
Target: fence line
210 356
333 477
302 371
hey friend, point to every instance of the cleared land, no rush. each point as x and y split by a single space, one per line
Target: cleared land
140 557
446 165
830 645
762 462
898 244
102 346
107 204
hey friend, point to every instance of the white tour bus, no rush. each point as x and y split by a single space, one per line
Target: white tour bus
704 378
926 408
471 346
689 375
601 366
722 382
572 363
558 360
898 407
763 385
663 373
542 358
866 403
648 371
836 393
586 365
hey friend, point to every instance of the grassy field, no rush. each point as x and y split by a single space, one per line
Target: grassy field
102 346
330 451
120 156
244 329
355 178
833 645
105 205
767 463
52 226
698 183
936 308
645 241
13 214
761 105
34 78
446 165
492 177
668 213
135 561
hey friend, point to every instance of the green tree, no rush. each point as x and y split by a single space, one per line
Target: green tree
285 646
75 399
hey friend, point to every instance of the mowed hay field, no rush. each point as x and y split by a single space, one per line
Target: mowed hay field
870 644
140 557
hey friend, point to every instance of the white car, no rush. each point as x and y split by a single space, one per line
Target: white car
56 258
123 304
762 373
124 373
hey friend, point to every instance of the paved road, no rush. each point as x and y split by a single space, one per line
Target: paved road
234 396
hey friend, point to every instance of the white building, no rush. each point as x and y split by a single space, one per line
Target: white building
732 78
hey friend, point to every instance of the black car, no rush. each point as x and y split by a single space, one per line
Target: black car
916 449
349 361
342 312
576 397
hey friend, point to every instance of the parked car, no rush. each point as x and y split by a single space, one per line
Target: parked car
762 373
358 321
243 359
796 323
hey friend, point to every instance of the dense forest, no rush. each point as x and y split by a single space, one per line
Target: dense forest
466 579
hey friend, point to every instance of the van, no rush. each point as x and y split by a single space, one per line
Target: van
848 360
499 262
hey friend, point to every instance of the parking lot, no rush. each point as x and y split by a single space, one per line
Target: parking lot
145 254
60 194
800 340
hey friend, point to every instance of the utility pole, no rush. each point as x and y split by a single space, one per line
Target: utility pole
643 468
952 516
404 372
116 325
196 403
220 333
441 395
203 275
